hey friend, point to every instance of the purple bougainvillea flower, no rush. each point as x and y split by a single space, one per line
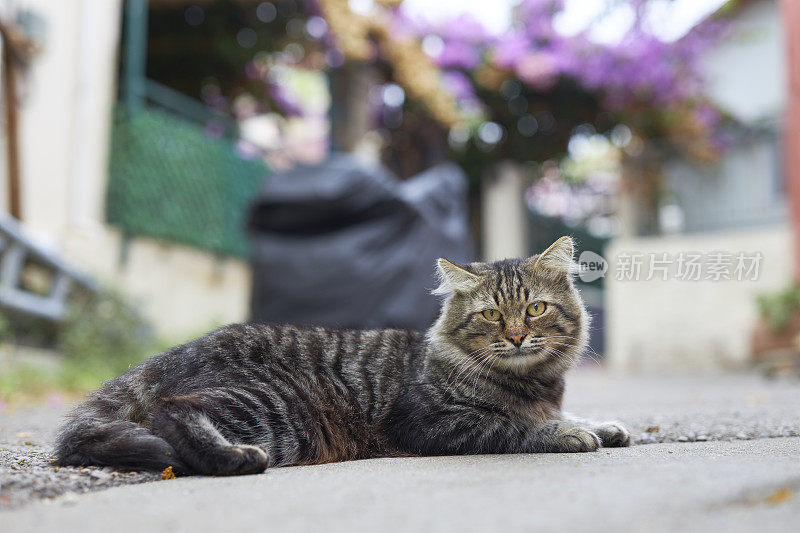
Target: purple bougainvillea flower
284 99
537 69
460 87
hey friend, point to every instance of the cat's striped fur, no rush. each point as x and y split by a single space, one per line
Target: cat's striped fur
247 397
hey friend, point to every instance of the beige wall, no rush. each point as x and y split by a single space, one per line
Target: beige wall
65 117
679 325
183 291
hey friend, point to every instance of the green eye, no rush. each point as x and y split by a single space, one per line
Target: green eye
536 308
492 315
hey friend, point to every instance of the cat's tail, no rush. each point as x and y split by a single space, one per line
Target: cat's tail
95 434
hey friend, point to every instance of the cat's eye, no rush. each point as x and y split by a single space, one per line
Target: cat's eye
536 308
491 314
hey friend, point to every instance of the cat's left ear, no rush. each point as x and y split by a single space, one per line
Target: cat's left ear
557 259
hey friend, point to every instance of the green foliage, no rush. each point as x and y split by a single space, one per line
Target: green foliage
209 54
777 308
24 382
101 337
5 328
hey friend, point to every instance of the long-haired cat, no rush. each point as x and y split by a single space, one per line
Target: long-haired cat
487 378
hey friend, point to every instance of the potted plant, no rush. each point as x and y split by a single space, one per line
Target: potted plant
776 338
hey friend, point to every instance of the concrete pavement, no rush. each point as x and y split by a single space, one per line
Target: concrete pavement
659 487
739 482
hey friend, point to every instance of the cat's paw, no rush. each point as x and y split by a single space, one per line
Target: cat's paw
576 439
236 460
231 460
253 460
613 435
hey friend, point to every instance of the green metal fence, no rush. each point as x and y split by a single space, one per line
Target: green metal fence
170 180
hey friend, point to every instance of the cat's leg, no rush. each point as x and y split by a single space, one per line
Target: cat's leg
467 431
561 436
612 434
185 423
96 434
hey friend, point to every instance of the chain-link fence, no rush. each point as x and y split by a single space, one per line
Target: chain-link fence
170 180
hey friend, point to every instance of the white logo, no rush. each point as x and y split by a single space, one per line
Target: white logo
591 266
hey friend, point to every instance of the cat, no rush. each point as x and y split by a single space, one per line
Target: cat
487 378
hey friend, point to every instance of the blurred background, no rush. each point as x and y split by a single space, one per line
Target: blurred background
169 166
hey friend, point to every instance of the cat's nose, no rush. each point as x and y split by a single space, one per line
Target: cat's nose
517 339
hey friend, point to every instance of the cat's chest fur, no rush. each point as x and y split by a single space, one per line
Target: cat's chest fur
530 401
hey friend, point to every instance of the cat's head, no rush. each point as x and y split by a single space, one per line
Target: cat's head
520 315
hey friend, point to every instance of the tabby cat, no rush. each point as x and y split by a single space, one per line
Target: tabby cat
487 378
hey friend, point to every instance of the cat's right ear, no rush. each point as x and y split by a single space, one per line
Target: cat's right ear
557 260
454 278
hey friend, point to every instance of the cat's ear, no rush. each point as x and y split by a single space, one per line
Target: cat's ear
454 278
557 259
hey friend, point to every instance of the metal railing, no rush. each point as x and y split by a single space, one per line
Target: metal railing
16 250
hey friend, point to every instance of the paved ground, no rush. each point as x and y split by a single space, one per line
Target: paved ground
746 476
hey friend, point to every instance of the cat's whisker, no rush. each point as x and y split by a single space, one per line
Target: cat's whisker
473 370
477 368
560 353
589 351
468 365
478 372
488 369
593 358
462 366
466 360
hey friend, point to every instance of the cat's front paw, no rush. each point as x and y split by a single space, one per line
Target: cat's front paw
577 439
613 435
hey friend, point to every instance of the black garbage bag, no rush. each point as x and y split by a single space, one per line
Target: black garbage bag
342 244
